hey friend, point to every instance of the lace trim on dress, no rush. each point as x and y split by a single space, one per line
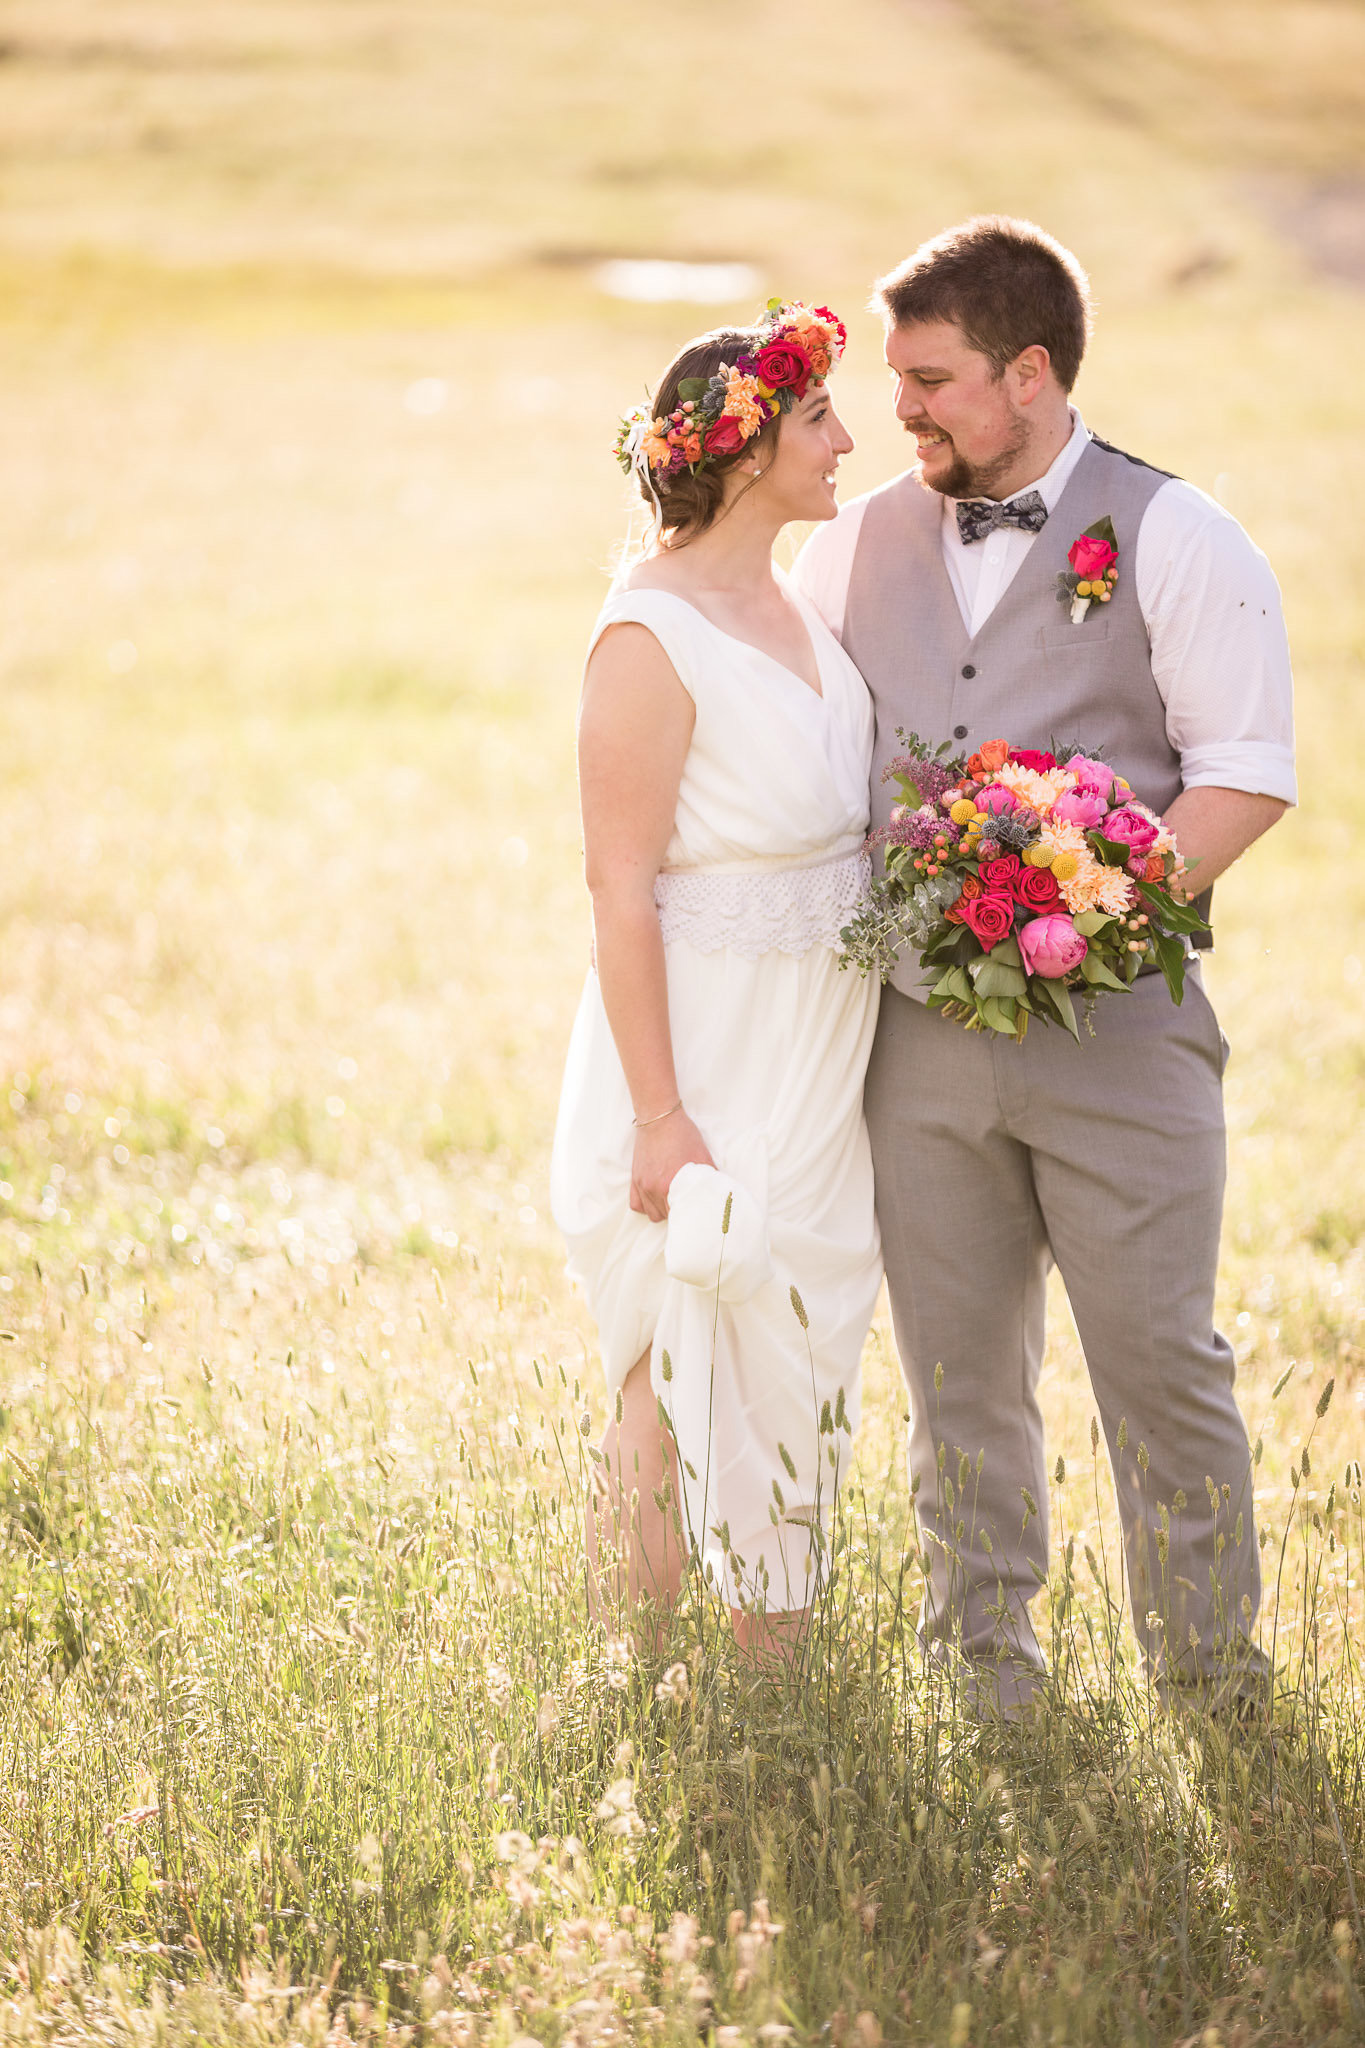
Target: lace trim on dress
763 910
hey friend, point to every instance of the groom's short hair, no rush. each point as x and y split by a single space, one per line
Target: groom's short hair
1006 283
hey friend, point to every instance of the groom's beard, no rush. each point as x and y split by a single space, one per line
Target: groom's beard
963 479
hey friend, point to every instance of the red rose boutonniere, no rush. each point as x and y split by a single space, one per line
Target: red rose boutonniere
1093 572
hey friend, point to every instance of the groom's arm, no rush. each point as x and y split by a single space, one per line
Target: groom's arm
1214 827
1220 657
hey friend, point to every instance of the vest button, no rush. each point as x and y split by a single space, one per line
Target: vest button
959 732
969 671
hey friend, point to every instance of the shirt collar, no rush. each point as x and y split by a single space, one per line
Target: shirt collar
1054 480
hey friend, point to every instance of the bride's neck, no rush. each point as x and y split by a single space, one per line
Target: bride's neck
735 553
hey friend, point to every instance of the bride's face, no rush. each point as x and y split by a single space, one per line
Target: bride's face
798 477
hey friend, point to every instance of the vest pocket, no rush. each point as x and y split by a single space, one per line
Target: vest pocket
1062 637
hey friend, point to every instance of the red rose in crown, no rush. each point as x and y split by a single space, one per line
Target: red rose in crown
727 436
784 366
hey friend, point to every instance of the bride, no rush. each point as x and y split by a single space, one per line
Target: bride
711 1171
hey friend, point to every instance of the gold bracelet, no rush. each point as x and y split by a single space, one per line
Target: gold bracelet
643 1123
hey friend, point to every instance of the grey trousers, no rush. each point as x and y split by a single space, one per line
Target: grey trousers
992 1161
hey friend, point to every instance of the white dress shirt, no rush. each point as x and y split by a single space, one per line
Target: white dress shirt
1208 597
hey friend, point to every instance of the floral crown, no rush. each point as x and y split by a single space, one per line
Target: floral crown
715 416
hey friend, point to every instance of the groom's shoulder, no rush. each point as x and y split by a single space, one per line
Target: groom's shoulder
1104 447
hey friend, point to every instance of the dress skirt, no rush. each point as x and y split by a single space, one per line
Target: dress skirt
770 1054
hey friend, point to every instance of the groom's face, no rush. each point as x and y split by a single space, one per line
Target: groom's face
970 432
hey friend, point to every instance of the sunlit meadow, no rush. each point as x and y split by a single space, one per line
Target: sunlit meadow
307 499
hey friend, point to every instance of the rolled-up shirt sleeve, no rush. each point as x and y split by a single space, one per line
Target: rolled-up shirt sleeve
1220 653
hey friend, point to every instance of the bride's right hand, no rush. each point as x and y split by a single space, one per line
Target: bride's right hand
660 1151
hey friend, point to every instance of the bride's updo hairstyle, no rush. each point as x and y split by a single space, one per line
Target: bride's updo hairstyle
720 400
690 501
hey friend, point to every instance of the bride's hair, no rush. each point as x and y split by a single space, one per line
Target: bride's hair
688 504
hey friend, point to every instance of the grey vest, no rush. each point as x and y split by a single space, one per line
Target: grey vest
1029 676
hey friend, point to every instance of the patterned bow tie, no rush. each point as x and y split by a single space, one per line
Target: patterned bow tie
976 517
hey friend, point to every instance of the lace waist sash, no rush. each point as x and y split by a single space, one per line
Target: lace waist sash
759 909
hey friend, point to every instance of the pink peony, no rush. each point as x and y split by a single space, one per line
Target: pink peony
1051 946
1079 807
997 801
1129 828
1096 777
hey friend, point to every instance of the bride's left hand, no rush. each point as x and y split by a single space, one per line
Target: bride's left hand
661 1150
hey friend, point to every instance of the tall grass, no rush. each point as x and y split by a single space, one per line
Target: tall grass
299 1700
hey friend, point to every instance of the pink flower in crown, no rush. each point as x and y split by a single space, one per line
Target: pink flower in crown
996 801
1079 807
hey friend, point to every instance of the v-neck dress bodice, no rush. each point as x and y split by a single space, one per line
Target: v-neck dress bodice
764 866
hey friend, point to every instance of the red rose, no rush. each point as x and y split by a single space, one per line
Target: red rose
1090 557
1037 889
1001 874
726 437
1029 757
991 918
783 366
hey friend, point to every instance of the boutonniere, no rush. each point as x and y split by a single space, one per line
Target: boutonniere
1093 572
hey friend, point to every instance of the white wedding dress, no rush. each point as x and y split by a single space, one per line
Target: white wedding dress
770 1043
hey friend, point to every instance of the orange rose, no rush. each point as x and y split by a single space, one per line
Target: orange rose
971 889
993 755
1156 869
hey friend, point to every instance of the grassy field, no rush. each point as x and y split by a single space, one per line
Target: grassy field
306 501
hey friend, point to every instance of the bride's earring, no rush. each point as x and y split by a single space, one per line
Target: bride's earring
757 470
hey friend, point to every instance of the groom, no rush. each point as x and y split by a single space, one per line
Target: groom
994 1160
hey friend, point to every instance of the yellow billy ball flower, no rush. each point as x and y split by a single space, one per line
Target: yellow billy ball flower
1064 866
963 811
1083 589
1036 857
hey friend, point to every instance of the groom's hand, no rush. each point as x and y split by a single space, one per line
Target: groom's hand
660 1152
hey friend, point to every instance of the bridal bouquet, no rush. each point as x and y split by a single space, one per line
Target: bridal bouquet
1022 879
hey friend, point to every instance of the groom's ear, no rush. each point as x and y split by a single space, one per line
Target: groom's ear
1028 373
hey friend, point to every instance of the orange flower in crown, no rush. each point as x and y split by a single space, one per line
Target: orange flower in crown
715 416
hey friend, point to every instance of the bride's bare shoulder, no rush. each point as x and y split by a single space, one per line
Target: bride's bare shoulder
655 572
